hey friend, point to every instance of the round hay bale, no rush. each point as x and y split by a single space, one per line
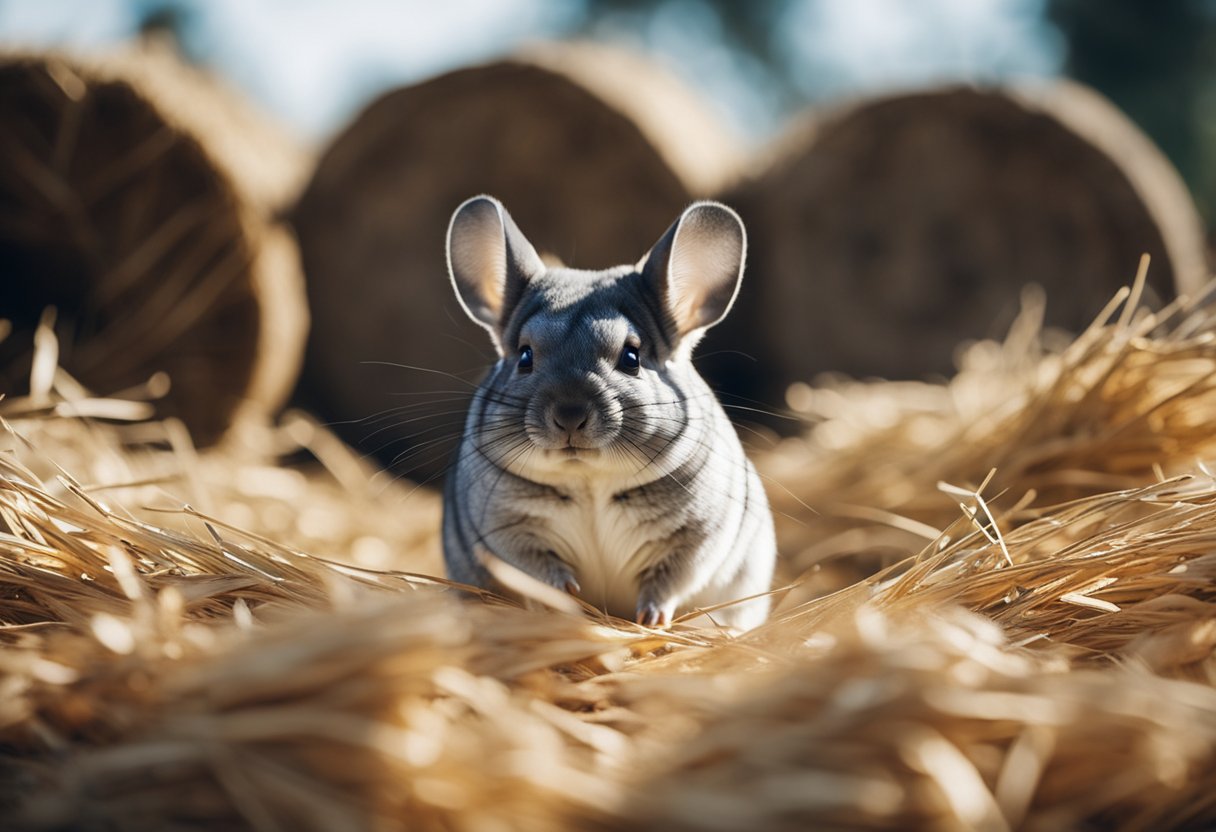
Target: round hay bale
595 152
137 198
885 234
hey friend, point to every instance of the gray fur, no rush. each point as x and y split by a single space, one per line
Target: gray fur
631 490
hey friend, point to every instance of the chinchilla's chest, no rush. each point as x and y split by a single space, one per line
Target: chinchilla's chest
608 541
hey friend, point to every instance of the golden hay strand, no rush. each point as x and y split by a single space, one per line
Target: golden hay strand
171 658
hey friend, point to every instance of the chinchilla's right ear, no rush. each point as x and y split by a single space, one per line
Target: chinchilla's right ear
696 267
490 262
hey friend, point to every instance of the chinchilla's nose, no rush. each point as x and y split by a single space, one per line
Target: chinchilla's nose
570 416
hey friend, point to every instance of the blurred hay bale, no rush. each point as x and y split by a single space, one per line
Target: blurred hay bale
885 233
138 199
594 151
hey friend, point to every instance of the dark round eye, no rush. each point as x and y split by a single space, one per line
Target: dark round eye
525 359
630 361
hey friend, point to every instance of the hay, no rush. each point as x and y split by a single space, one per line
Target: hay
138 198
1128 402
1034 666
887 231
595 151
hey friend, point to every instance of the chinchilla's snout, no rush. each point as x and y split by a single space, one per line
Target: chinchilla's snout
571 419
569 416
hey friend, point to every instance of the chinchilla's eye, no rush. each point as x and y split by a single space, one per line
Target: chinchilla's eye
630 361
525 359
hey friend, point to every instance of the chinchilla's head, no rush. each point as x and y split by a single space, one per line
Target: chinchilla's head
594 367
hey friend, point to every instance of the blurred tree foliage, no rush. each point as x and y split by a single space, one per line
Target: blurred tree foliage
748 28
1156 59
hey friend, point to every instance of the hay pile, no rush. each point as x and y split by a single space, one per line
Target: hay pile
1036 665
1125 404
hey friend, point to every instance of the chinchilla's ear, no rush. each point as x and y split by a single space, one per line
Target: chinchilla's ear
489 260
696 267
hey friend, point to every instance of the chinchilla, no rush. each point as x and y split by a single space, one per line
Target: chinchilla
594 457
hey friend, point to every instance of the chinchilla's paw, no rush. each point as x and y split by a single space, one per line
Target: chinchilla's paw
653 614
557 573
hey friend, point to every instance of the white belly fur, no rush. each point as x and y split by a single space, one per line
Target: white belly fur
606 547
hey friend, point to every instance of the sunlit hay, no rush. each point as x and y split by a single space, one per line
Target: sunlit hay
380 523
411 711
335 506
182 647
871 708
185 691
1128 402
1128 576
136 692
921 722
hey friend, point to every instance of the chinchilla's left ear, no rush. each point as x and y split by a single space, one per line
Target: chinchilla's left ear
490 261
696 267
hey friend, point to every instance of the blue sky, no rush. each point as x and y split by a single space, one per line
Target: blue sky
314 62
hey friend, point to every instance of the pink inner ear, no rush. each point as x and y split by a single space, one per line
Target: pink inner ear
683 294
703 270
479 258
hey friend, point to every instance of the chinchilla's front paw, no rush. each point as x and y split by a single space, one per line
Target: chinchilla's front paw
557 573
653 614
